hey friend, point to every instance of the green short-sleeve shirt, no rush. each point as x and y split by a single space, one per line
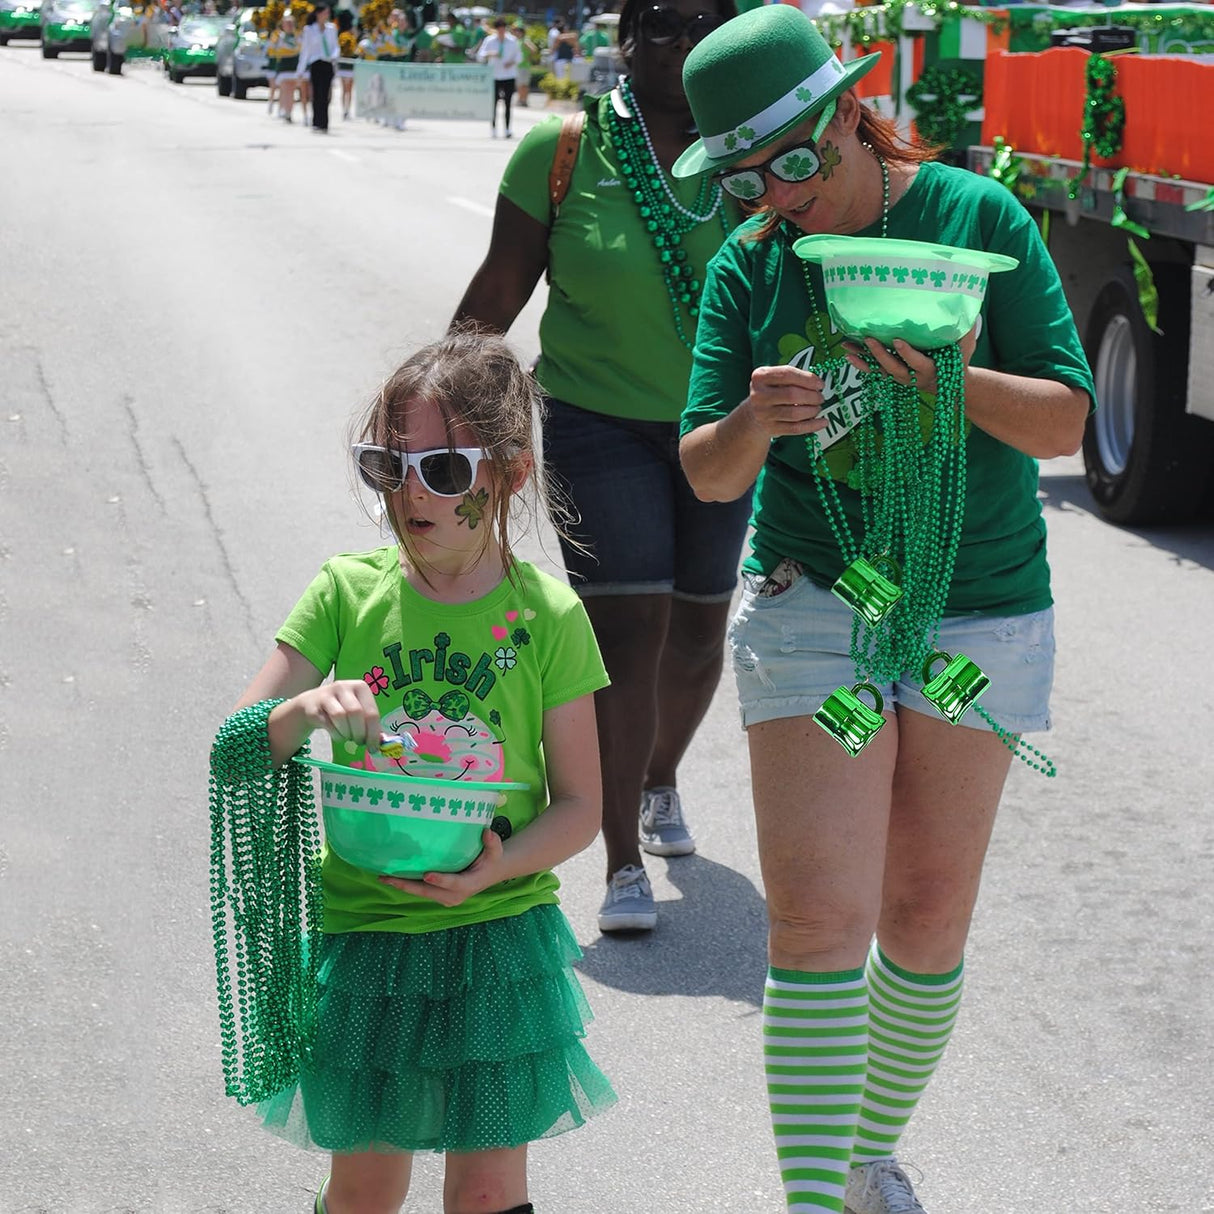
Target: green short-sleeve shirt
471 682
756 312
608 337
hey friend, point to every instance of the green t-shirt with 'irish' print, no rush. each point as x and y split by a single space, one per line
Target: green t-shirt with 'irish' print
756 312
471 682
608 337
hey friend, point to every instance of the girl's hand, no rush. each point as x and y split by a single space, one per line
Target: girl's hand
903 360
784 400
345 709
450 889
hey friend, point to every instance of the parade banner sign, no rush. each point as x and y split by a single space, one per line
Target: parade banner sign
388 92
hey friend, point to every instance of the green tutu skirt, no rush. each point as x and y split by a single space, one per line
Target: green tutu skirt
468 1039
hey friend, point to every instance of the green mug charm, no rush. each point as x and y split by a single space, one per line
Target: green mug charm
849 720
870 587
955 688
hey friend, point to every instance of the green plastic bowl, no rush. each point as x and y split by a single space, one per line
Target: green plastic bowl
929 295
401 825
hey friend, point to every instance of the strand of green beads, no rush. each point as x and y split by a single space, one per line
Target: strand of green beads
828 493
917 512
899 472
665 219
950 419
947 465
1017 745
265 897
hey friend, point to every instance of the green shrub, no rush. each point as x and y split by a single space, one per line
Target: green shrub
559 90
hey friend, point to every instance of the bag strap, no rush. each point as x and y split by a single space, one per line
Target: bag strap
561 173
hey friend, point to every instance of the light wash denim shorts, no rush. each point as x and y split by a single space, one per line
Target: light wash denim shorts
790 651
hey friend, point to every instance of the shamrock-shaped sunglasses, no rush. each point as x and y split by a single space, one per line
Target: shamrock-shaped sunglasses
445 471
797 163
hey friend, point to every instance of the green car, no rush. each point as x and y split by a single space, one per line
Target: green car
66 26
20 19
192 47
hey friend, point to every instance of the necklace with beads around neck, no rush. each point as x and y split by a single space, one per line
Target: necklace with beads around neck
792 233
667 220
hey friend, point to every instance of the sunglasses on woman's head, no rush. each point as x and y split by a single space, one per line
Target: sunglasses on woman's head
797 163
661 26
445 472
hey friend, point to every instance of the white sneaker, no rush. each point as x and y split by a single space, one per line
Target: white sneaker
663 831
880 1187
629 905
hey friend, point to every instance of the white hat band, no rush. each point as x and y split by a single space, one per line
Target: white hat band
776 115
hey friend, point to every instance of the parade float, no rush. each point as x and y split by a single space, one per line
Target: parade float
1097 119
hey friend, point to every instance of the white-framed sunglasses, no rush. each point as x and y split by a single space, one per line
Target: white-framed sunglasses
797 163
444 471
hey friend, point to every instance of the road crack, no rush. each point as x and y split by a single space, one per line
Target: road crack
224 557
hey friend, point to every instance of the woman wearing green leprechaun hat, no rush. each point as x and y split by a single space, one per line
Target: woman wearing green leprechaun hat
872 860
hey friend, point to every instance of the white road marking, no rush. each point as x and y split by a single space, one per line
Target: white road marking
343 155
477 208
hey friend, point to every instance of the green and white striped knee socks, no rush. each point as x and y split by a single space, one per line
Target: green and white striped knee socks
815 1040
911 1017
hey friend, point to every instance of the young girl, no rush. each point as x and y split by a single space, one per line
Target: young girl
448 1017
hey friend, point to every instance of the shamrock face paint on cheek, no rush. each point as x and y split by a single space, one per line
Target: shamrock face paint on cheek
472 509
831 159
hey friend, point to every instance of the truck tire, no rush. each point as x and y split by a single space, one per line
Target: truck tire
99 61
223 85
240 90
1147 461
49 52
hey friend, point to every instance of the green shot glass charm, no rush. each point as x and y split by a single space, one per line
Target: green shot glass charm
870 587
849 720
953 691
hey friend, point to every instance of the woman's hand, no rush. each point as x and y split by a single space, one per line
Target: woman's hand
345 709
784 400
450 889
904 362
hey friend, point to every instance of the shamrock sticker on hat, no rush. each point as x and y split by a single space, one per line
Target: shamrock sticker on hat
743 137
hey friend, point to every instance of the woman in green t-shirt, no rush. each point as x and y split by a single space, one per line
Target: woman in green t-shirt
889 842
625 253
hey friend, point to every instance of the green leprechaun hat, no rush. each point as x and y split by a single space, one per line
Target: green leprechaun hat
754 79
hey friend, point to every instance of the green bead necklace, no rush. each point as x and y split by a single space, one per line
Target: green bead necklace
912 505
912 490
666 219
266 907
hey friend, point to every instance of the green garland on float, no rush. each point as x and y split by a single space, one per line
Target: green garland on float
940 113
1103 118
885 22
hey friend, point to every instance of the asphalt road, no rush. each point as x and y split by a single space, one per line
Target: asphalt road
194 299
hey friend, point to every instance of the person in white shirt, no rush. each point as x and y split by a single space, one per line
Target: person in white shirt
317 57
503 51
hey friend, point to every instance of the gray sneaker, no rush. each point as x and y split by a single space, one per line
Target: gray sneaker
880 1187
663 831
629 905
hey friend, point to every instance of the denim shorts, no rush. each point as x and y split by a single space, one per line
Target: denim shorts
646 530
790 651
